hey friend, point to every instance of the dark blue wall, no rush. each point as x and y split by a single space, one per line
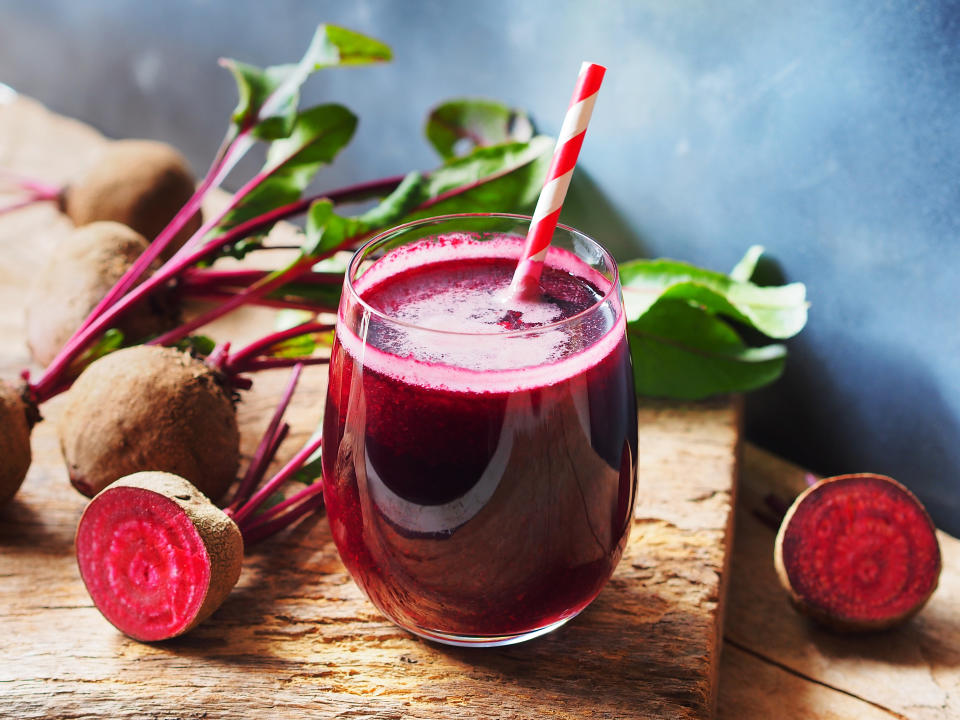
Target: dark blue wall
826 130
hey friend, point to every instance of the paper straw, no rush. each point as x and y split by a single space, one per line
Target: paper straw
526 278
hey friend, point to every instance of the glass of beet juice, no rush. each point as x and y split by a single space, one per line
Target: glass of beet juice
479 451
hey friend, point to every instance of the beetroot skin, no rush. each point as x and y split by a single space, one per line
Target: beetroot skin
150 408
14 441
139 183
156 556
83 267
858 552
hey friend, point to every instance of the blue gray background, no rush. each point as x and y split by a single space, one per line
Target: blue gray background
825 130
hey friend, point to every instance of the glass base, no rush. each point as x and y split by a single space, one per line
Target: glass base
487 640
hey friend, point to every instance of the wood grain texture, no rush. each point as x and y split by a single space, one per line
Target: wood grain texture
909 672
297 637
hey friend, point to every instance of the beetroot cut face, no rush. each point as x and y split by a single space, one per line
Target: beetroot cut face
146 562
858 552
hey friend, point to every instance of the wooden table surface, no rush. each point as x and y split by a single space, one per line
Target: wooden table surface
297 637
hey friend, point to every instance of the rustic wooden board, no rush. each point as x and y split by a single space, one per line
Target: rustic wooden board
297 635
775 659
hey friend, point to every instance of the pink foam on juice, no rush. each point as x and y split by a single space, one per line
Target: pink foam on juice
479 472
452 350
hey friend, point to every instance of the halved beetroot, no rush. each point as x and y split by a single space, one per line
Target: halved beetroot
858 552
156 555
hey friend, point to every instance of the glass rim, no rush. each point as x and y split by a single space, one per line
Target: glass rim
360 251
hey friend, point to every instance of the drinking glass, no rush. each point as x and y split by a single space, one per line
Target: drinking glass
479 452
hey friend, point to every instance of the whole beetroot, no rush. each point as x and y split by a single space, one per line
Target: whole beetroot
139 183
150 408
82 268
14 440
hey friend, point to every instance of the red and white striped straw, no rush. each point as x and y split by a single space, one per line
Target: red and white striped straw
526 278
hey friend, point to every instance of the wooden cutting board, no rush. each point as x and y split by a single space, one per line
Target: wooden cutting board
297 636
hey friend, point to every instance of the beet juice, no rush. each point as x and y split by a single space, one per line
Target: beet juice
479 454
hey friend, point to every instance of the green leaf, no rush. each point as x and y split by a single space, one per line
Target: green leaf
311 470
475 123
326 232
743 270
333 45
391 209
239 249
779 312
272 500
484 164
271 193
254 86
268 97
326 297
295 347
505 178
682 352
323 297
324 339
288 318
111 340
680 343
317 136
300 346
200 345
337 263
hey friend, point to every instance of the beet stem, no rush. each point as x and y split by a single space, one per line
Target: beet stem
275 247
195 240
265 343
39 189
212 296
257 290
258 467
275 363
31 200
159 244
51 381
294 464
207 278
216 357
280 508
262 456
258 532
83 337
275 442
116 301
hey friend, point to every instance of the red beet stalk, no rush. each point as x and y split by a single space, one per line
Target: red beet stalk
248 499
55 378
35 190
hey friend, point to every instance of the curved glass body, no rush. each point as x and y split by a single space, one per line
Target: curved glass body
479 452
